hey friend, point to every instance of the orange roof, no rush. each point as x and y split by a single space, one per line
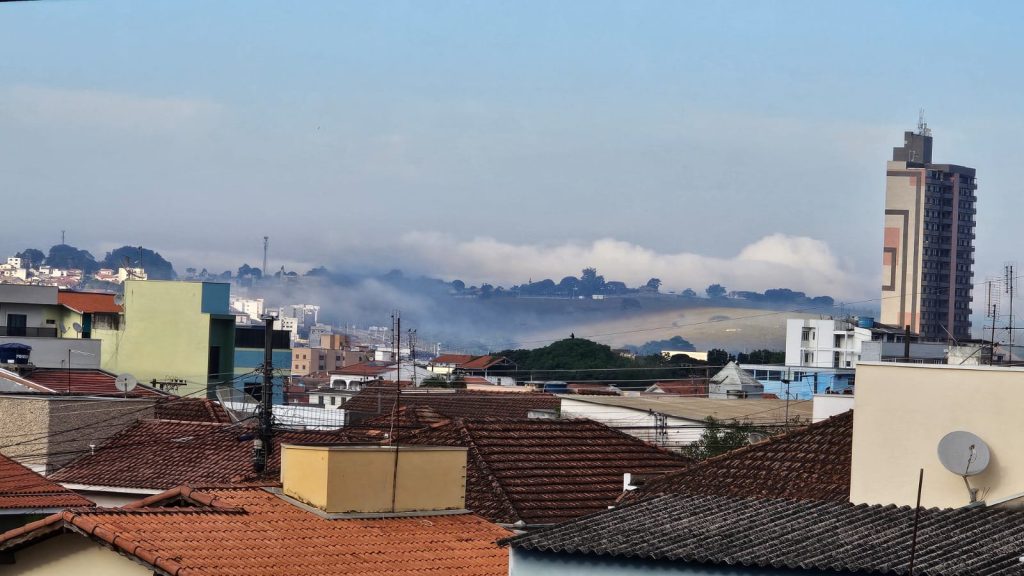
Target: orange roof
483 362
89 302
21 488
254 532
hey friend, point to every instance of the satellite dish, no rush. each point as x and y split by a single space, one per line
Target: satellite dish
119 299
125 383
63 328
963 453
77 327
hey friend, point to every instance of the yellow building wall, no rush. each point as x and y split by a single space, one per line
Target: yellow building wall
360 478
72 554
902 412
155 340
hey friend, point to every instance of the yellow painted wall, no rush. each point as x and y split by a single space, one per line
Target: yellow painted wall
72 554
902 412
339 479
163 335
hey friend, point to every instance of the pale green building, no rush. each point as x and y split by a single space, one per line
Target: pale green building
171 333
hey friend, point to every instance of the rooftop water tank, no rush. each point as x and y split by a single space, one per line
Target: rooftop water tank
865 322
14 353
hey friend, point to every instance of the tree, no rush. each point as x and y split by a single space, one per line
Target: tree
569 286
720 437
715 291
246 271
458 285
318 272
689 293
31 258
717 357
137 257
653 284
66 257
590 282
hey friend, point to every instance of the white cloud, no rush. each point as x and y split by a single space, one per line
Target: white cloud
775 261
99 108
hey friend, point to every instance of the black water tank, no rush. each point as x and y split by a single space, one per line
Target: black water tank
14 353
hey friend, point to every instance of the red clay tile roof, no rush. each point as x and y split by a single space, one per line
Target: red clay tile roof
457 359
253 532
685 387
365 369
89 302
812 463
191 410
545 471
483 362
21 488
87 382
160 454
378 399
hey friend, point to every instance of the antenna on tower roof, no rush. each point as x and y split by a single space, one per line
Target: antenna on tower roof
922 126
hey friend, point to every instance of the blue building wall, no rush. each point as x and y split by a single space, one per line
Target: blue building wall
249 359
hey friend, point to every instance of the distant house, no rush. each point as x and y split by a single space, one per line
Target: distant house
733 382
382 398
446 363
696 387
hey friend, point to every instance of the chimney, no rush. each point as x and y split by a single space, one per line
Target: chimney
362 479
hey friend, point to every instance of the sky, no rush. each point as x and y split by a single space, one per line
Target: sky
698 142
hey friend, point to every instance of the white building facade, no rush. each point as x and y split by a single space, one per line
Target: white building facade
825 343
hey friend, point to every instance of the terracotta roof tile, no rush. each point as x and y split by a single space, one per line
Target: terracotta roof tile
87 382
483 362
795 536
377 399
253 532
191 410
89 302
812 463
457 359
160 454
21 488
545 471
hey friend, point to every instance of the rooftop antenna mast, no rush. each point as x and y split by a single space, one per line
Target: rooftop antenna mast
922 126
266 244
992 313
1010 283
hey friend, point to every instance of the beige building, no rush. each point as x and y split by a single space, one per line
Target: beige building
928 246
904 410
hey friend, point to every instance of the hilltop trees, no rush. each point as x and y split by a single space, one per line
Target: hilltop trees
138 257
65 257
715 291
30 257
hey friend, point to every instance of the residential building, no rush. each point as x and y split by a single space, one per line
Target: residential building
675 422
447 363
251 307
403 514
34 316
178 332
904 411
704 535
249 354
534 472
928 245
696 387
26 496
826 342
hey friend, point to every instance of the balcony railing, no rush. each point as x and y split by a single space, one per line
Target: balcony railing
28 332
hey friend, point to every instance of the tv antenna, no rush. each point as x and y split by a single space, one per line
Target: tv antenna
964 454
1009 283
992 313
125 383
922 126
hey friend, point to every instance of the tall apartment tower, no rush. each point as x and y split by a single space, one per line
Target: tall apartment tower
928 248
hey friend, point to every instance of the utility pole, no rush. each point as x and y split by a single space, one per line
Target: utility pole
264 443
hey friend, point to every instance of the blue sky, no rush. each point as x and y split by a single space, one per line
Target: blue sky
694 141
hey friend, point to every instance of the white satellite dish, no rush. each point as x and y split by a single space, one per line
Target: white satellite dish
77 328
125 383
119 299
963 453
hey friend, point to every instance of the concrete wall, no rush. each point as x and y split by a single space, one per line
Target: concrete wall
679 432
46 433
828 405
902 245
53 352
72 554
903 410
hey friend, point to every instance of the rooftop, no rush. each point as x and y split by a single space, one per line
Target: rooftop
85 382
190 410
185 531
757 411
89 302
807 535
812 463
378 399
23 489
457 359
545 471
161 454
